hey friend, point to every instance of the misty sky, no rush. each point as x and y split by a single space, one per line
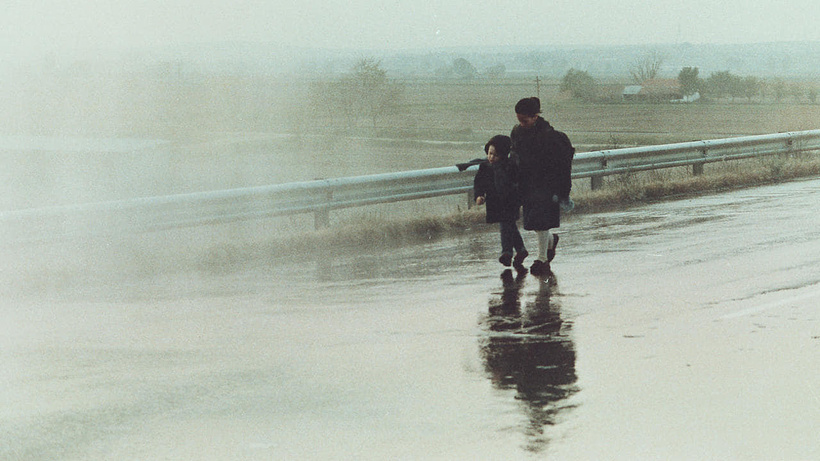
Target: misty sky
35 26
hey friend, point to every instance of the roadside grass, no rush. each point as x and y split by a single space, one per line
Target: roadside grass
643 187
385 227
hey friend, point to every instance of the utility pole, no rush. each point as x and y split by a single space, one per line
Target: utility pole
538 87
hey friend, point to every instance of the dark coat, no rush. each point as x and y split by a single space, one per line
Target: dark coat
544 158
496 182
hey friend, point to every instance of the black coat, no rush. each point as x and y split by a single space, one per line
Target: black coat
544 158
497 184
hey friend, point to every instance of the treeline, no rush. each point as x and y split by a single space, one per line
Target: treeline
725 84
581 85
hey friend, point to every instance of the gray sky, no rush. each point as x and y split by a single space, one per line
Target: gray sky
34 26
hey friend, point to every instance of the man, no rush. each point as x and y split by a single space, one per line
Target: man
544 157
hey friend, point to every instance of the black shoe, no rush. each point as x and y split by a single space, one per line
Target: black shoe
551 252
519 258
505 259
540 268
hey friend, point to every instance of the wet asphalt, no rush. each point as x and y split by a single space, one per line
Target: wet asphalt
684 329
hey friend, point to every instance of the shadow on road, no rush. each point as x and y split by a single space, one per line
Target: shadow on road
527 349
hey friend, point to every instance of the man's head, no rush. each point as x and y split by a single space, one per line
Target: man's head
527 111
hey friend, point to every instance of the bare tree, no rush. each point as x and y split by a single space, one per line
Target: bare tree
646 68
364 93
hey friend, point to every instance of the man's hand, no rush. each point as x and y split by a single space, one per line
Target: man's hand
479 200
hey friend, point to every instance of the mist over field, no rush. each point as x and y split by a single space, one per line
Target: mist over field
112 126
79 129
152 311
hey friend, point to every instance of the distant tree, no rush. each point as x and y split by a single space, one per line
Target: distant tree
796 92
752 86
646 68
463 68
765 88
736 87
444 72
719 84
724 83
367 73
689 81
580 84
496 71
365 92
779 90
376 94
812 95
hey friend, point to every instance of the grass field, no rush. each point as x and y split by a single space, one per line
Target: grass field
230 133
439 123
227 132
443 123
464 107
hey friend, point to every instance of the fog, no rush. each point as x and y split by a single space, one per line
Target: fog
124 100
84 26
122 341
106 123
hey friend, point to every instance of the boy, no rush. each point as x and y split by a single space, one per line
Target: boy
495 185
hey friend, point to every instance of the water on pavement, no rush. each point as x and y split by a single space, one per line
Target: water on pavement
684 329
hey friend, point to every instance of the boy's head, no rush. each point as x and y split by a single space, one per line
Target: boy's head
498 148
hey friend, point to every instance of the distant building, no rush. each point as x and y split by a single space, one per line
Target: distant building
689 97
655 89
630 93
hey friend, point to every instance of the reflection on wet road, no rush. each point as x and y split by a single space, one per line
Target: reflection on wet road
684 329
528 349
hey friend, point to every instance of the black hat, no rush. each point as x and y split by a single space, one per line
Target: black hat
528 106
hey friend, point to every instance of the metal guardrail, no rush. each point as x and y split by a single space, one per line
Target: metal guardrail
322 196
598 164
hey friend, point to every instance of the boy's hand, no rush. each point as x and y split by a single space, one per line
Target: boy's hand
479 200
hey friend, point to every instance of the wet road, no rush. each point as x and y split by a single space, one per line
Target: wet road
680 330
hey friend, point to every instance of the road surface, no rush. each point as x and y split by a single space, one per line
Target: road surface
685 329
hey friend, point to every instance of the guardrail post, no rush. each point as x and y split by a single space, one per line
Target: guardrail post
470 198
697 167
321 218
597 182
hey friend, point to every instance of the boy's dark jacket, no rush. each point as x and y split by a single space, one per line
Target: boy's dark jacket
497 183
